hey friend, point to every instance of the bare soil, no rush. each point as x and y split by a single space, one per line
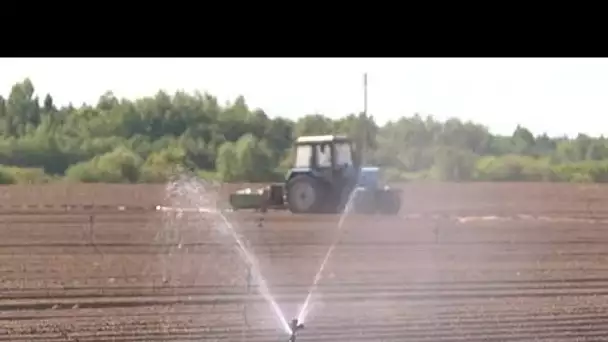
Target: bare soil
462 262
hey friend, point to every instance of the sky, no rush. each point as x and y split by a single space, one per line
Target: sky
556 96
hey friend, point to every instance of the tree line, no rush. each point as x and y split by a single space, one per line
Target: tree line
151 138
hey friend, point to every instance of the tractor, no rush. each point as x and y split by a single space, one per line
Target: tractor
325 174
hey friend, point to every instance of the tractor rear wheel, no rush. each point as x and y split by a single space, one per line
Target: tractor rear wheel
389 202
305 195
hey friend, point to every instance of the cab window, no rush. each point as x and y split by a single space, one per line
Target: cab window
324 155
303 154
343 154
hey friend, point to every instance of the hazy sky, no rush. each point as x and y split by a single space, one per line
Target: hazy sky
557 96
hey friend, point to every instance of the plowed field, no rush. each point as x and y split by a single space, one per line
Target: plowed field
462 262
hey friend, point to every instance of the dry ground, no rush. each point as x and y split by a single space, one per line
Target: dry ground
468 262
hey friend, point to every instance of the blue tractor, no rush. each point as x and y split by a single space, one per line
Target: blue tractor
325 175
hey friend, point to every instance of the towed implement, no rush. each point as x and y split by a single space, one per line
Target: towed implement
326 174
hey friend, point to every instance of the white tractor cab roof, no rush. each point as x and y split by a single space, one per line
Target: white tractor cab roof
311 139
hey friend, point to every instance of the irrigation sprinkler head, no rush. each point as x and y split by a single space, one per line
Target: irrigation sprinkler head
294 326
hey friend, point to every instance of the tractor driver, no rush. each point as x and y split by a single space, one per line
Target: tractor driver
324 155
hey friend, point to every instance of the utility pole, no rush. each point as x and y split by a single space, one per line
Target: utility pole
363 122
365 94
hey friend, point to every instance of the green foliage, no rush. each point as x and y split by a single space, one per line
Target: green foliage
249 159
161 165
513 168
118 166
152 138
227 162
453 164
19 175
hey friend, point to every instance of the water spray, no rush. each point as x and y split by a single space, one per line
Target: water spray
349 202
197 192
194 191
294 326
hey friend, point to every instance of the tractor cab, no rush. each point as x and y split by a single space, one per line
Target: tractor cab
323 173
323 152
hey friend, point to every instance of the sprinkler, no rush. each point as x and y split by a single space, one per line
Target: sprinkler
294 329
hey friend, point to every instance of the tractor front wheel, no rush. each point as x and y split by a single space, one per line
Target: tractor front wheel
305 195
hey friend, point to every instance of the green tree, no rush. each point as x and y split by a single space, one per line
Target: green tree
453 164
227 162
253 159
118 166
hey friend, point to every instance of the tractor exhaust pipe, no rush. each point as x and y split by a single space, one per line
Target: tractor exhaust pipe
294 329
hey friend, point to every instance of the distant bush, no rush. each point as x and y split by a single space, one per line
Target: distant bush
513 168
453 164
118 166
595 171
22 175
